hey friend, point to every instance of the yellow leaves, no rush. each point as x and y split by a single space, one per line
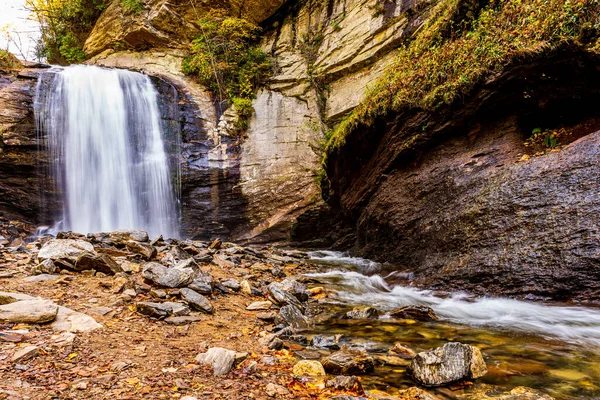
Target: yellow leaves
72 356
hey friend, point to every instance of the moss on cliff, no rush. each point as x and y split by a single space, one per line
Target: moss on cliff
462 43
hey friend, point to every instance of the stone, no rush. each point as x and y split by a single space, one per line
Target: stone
146 250
308 368
259 305
325 342
280 297
295 288
202 284
246 287
28 312
219 358
158 293
196 301
175 255
449 363
216 244
292 316
347 383
99 262
183 320
121 237
41 278
69 249
188 263
71 321
402 351
420 313
167 277
162 310
348 363
415 393
274 390
232 284
366 313
266 316
25 354
45 267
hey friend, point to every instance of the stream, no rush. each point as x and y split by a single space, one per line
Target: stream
550 347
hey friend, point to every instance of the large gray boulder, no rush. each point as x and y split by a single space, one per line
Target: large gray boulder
28 312
449 363
167 277
70 249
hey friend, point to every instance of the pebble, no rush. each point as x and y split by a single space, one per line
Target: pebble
308 368
259 305
25 354
273 390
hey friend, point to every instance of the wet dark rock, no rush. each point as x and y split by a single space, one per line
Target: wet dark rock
348 363
449 363
341 382
168 277
325 342
146 250
366 313
420 313
292 316
196 300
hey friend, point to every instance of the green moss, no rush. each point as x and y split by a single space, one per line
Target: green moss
8 61
132 6
227 60
460 46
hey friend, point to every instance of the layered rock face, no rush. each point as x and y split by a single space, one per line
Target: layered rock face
450 197
254 188
22 177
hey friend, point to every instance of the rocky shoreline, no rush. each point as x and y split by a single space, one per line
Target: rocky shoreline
189 319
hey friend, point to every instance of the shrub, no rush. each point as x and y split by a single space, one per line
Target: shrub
226 60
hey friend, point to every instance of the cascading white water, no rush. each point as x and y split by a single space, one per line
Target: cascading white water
573 324
106 139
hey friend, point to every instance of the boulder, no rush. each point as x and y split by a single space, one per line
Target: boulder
278 296
123 236
196 301
99 262
449 363
420 313
167 277
64 249
175 255
348 363
28 312
308 368
146 250
68 320
325 342
292 316
202 285
219 358
295 288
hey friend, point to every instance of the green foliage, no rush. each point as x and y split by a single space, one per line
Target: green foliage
132 6
460 46
225 59
547 138
65 24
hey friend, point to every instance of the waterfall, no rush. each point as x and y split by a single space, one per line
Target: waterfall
104 134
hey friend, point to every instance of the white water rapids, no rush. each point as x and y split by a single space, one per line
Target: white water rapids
105 137
572 324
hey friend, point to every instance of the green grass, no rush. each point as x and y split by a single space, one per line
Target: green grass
459 46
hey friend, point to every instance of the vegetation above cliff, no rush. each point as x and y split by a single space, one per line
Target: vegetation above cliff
226 59
461 44
65 24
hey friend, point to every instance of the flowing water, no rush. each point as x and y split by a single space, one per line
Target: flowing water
549 347
105 137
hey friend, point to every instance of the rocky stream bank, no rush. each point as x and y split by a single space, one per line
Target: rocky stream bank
117 315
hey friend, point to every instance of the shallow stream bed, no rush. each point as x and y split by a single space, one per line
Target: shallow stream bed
554 348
